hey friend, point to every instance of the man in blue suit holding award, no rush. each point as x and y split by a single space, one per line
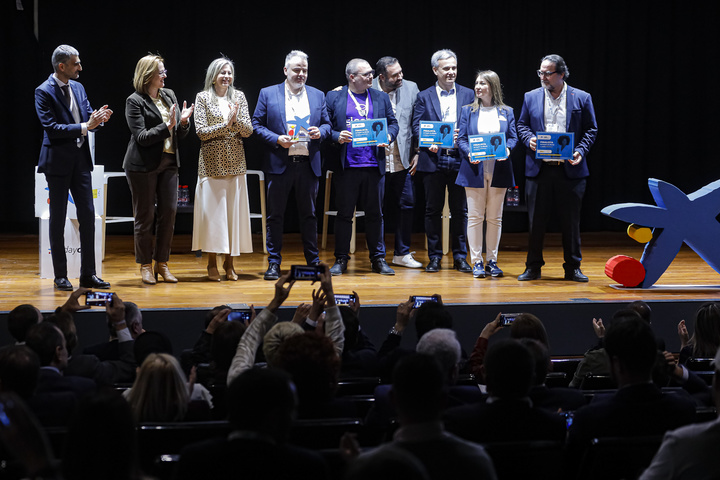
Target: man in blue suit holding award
556 185
66 117
359 171
438 167
291 119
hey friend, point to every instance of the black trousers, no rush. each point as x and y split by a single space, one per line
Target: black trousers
548 194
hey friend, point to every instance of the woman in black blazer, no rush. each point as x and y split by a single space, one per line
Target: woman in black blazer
151 164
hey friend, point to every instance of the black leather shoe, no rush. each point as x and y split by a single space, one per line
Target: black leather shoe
434 265
93 281
315 262
379 265
338 267
461 265
62 283
273 272
529 274
576 276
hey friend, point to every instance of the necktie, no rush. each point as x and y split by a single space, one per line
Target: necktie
66 93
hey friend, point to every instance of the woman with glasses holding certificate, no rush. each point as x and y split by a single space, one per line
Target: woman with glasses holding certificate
485 177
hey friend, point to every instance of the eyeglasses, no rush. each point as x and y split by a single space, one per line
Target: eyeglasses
366 74
545 74
162 72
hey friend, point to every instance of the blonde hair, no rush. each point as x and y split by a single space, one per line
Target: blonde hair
160 392
212 72
493 80
145 70
280 332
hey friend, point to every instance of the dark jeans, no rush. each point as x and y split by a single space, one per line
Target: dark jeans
435 184
400 199
367 185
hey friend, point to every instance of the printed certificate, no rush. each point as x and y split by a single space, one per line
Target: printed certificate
555 145
437 133
366 133
487 146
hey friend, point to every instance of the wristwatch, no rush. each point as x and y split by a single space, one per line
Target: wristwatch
395 331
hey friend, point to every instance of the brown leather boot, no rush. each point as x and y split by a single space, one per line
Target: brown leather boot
162 269
146 272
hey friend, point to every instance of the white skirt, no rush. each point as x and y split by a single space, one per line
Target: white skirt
221 222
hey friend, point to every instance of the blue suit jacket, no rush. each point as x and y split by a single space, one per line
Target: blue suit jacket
269 123
337 109
59 151
471 174
580 120
427 107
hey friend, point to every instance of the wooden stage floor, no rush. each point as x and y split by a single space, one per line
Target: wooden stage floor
688 278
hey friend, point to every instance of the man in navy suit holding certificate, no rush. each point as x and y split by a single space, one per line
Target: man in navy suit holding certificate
66 117
359 171
438 167
291 119
556 185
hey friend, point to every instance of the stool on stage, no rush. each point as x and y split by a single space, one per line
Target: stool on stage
327 212
263 214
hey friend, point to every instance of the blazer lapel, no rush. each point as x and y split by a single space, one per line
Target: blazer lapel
435 101
569 106
280 102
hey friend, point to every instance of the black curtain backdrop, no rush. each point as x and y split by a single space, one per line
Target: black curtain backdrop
648 65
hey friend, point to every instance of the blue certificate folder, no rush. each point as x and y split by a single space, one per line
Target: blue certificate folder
366 133
487 146
437 133
555 145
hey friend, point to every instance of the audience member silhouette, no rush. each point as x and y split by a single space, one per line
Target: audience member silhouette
638 407
56 396
107 416
419 390
262 406
508 414
690 452
706 338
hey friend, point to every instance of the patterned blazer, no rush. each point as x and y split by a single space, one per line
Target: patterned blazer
221 150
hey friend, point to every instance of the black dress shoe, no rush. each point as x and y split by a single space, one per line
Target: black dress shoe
529 274
575 275
338 267
461 265
434 265
379 265
93 281
273 272
62 283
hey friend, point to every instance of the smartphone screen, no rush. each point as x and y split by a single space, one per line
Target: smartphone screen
420 299
305 272
242 315
344 298
98 299
507 318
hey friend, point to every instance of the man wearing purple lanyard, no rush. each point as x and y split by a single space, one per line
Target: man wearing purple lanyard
359 171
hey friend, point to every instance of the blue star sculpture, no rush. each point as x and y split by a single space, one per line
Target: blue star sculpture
303 122
677 218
